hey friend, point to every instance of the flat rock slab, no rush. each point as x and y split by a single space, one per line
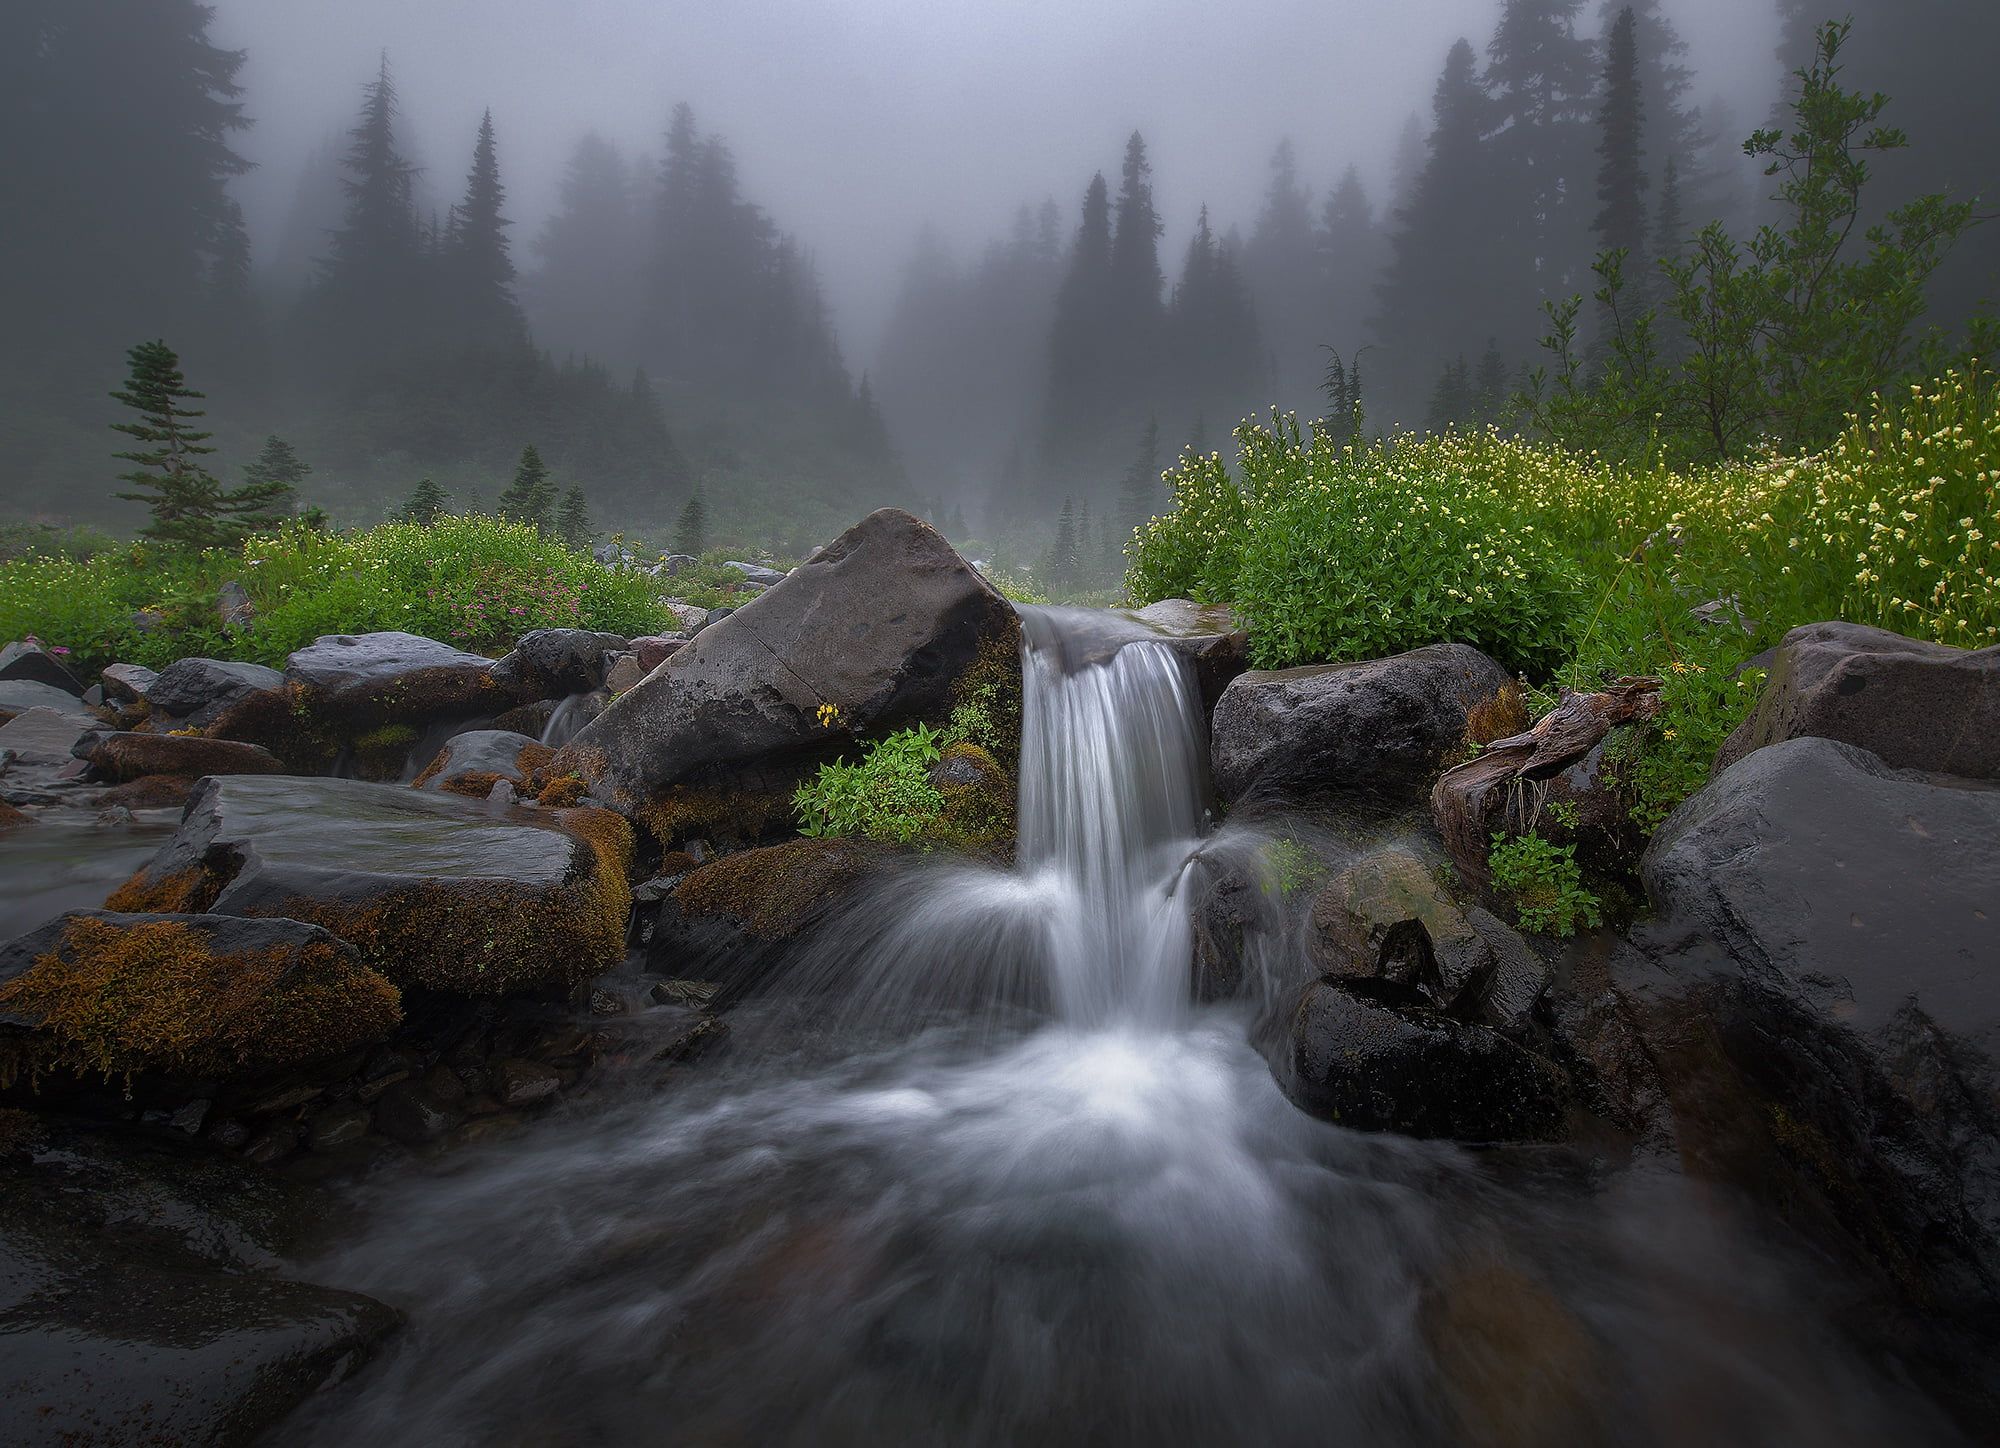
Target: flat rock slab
203 692
127 756
136 1299
1914 705
18 696
1366 732
359 681
433 889
198 996
45 736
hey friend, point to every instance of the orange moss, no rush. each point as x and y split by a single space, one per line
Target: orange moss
149 791
11 818
690 811
1500 716
185 892
774 891
562 793
474 783
152 996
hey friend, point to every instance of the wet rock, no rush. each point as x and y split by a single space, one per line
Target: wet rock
414 1115
134 1288
31 663
880 630
472 763
1821 995
1374 732
13 819
18 696
125 685
1386 917
435 891
1210 637
677 563
185 995
337 1126
151 791
1912 704
522 1083
655 649
124 757
1370 1065
530 718
362 681
553 662
217 694
757 573
1518 1368
696 993
273 1145
44 736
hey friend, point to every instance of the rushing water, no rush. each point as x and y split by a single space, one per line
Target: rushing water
986 1177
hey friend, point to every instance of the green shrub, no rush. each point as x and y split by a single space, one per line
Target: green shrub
887 796
1545 883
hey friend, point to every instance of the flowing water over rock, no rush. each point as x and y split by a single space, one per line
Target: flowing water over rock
978 1173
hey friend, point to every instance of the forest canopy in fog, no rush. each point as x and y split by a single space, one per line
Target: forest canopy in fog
406 264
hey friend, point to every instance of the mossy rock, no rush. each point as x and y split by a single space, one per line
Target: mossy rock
435 891
978 801
184 995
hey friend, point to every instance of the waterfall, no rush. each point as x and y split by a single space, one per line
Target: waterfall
1112 760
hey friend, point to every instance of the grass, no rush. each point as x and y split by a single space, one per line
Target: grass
472 581
1574 569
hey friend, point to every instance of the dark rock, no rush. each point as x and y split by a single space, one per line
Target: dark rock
696 993
881 630
1386 917
473 762
553 662
188 995
273 1145
522 1083
125 685
1519 977
150 791
1374 1066
126 756
44 736
13 819
414 1115
233 607
215 693
434 890
757 573
655 649
339 1125
18 696
1822 995
134 1288
1367 732
361 681
1912 704
530 718
23 662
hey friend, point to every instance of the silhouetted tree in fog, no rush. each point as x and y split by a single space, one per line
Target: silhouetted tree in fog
581 297
478 264
1212 330
1281 265
1621 174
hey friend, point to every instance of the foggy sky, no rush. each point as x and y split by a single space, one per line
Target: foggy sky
857 121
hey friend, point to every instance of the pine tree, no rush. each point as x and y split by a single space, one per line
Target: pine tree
1080 364
1281 266
1349 250
1215 347
1135 278
371 291
573 525
1669 226
477 254
1139 489
272 480
1490 389
190 508
691 532
425 504
581 295
531 497
1059 567
1541 76
1452 398
1621 174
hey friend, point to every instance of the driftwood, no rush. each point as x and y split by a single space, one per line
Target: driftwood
1571 730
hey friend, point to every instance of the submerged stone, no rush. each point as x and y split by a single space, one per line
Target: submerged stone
434 890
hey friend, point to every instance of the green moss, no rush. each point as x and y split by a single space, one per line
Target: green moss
119 999
774 891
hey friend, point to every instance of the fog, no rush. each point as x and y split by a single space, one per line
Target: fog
858 121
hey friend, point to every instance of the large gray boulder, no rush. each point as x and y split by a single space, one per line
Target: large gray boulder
881 629
434 890
1373 732
207 693
360 681
1821 997
18 696
31 662
552 663
138 1290
1914 705
473 762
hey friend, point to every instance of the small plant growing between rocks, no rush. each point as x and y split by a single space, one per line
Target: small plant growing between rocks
1545 883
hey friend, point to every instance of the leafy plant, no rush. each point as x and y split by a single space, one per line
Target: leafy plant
887 796
1545 883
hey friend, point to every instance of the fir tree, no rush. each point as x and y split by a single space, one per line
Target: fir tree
1621 175
531 497
476 250
271 481
1059 567
1139 489
1669 225
190 508
1490 389
425 503
1213 328
573 525
1281 265
1135 278
1080 364
691 532
1452 398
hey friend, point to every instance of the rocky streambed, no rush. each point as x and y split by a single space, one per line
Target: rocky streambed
1220 1102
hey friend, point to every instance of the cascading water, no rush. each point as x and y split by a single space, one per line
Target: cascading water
1055 1203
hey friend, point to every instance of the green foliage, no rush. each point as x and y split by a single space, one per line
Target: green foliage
1545 882
691 531
887 796
472 581
531 497
426 501
573 525
1290 867
1785 336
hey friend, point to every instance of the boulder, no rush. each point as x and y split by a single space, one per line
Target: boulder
675 563
1821 995
1912 704
551 663
1365 733
473 762
136 1287
690 616
885 627
18 696
30 662
655 649
434 890
624 674
757 573
44 736
127 756
199 996
125 685
363 681
1377 1062
1210 637
216 694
